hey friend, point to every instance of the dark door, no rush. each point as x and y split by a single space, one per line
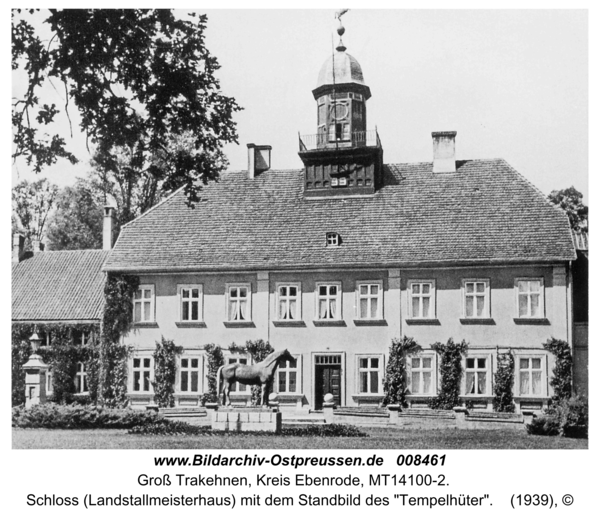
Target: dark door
327 380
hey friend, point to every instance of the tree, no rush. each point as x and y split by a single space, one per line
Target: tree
571 202
138 77
32 204
78 219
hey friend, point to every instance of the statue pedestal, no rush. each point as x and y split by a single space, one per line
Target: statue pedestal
246 419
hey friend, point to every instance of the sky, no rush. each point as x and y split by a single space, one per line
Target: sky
512 83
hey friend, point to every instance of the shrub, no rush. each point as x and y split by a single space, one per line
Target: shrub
568 417
562 374
167 428
451 373
54 416
503 383
214 360
165 372
394 384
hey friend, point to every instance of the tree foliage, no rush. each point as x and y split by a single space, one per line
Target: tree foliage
395 385
503 383
33 202
165 372
571 202
451 371
78 219
138 78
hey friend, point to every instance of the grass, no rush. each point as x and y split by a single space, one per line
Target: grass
379 438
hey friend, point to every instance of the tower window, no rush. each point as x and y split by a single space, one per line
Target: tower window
333 239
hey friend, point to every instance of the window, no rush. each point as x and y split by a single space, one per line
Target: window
288 302
142 369
143 304
421 296
238 302
81 379
369 375
476 299
421 373
369 296
530 298
238 387
189 375
332 239
191 303
49 382
329 301
287 378
476 376
530 376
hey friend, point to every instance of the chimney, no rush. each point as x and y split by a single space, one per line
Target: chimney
17 250
107 230
36 245
444 153
259 159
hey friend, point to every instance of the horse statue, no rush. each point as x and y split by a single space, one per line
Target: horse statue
254 374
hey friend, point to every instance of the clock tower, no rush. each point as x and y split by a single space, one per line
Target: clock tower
343 158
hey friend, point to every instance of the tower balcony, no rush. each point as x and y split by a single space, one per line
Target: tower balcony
328 141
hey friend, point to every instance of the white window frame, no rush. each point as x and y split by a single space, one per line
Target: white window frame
298 287
200 299
432 298
332 239
152 318
488 374
542 304
338 316
369 297
200 369
82 378
379 370
543 376
487 312
235 357
142 369
285 369
248 287
433 369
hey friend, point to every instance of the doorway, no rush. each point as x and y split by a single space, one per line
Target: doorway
328 378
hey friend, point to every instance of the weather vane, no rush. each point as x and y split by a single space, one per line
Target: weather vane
340 30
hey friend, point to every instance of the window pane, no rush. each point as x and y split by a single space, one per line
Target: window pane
138 294
535 305
243 315
481 363
194 310
535 286
469 309
195 293
374 382
524 389
233 292
364 290
470 363
522 305
481 382
363 382
332 290
292 377
195 363
146 363
415 307
426 289
322 290
416 289
146 381
363 309
147 294
427 362
282 376
232 313
137 312
522 286
375 363
243 292
293 291
292 311
136 380
426 382
470 383
147 316
536 382
184 363
185 293
136 363
283 291
480 287
374 310
415 383
536 363
364 363
523 363
195 381
480 306
426 307
469 288
416 363
185 311
184 381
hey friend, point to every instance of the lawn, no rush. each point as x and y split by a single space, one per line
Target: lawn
379 438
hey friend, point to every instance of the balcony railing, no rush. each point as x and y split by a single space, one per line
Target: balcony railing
327 141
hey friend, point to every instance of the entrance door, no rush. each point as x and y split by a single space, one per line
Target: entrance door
328 376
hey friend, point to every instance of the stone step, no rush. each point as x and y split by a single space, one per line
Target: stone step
427 413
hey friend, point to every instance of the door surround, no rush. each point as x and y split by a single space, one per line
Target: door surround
313 374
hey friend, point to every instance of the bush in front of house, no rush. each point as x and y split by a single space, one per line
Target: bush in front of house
569 417
394 384
177 428
54 416
451 371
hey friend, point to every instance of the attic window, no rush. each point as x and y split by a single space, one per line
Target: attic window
333 239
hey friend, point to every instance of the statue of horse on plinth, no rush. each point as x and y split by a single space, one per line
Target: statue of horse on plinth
252 375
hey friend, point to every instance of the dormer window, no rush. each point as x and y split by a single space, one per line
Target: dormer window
333 239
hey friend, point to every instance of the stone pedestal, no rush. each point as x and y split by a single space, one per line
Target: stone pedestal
394 410
246 419
35 381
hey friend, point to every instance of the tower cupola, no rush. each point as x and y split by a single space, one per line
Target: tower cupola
343 157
